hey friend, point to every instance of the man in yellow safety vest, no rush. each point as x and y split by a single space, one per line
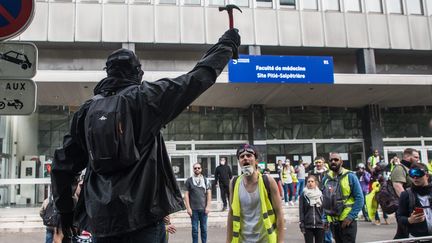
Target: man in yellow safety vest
256 213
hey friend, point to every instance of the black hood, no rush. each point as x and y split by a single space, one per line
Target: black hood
111 84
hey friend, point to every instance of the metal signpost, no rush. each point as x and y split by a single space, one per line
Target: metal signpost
281 69
18 60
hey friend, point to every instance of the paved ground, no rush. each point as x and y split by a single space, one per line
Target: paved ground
366 233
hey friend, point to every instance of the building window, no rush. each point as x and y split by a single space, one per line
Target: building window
240 3
290 3
394 6
264 3
216 2
406 122
167 1
415 7
310 4
353 5
374 6
332 5
429 6
191 2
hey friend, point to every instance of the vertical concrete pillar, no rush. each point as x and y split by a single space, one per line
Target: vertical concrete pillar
129 46
366 61
372 129
257 129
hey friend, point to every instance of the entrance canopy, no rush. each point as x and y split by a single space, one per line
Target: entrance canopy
349 90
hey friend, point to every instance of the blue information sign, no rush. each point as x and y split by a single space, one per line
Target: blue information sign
281 69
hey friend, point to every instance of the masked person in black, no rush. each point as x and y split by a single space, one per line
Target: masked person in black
129 182
223 176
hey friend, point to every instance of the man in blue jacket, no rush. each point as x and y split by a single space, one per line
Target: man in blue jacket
342 200
127 202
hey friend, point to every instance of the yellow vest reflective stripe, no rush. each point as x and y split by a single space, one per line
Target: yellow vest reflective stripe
348 199
268 215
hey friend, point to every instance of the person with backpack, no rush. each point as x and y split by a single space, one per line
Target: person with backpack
415 203
310 211
198 201
256 213
400 181
130 185
342 200
49 218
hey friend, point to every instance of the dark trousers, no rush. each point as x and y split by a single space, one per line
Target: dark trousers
311 234
151 234
224 190
347 235
199 218
402 231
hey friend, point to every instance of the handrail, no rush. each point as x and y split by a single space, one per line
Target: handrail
415 239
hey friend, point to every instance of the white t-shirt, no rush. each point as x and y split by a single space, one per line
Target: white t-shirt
424 201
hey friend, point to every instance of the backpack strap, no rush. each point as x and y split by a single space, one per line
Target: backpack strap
266 184
121 92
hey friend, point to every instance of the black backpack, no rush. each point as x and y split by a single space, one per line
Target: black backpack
50 217
333 199
387 197
110 133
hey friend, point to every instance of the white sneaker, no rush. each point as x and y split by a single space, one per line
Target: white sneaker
286 203
291 203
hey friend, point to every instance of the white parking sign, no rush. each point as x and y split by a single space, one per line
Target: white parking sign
17 97
18 60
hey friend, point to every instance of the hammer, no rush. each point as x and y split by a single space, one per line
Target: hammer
229 8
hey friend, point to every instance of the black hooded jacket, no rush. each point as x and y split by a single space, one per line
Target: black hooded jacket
146 192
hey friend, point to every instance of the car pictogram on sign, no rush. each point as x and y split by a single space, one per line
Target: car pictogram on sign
17 58
13 102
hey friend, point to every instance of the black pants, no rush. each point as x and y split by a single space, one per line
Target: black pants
312 233
347 235
151 234
401 232
224 189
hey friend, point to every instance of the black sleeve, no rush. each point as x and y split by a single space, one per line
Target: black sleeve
169 97
217 174
229 172
301 211
403 211
68 162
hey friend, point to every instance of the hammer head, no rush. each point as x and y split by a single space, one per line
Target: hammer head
230 8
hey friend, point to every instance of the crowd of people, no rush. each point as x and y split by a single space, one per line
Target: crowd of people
129 188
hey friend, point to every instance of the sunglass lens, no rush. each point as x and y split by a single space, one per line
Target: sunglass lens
416 173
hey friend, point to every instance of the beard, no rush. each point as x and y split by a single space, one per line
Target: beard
335 167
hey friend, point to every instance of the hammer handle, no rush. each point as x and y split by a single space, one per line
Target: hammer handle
231 19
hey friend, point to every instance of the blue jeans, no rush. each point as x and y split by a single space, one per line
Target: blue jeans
299 189
288 188
199 216
154 233
49 236
328 236
364 209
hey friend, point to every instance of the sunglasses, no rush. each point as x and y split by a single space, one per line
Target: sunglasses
416 173
334 159
249 150
197 168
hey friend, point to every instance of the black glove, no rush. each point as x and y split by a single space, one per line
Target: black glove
232 39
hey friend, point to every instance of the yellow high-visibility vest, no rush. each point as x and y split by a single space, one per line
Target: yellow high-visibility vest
346 193
268 215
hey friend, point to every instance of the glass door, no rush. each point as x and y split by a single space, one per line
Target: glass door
182 169
208 164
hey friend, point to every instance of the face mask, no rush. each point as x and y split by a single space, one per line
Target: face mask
247 170
222 162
